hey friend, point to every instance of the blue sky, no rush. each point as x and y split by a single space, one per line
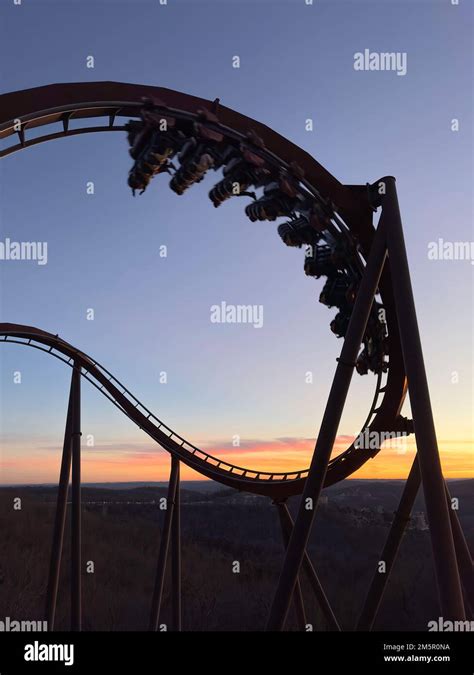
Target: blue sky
152 314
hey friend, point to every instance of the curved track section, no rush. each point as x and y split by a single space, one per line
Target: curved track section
24 113
276 485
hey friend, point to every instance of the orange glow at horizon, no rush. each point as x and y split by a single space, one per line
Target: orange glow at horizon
142 462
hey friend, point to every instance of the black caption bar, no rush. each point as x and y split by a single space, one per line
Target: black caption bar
137 652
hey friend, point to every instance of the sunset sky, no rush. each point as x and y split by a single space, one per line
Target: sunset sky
152 314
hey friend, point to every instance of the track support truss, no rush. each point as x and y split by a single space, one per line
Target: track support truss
448 557
71 456
171 532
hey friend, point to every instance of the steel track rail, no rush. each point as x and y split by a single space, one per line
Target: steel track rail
275 484
62 103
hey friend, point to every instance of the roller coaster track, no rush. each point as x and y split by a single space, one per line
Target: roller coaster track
277 485
66 104
347 215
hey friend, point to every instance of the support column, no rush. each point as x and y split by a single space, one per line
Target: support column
463 555
59 520
327 434
313 577
164 546
298 601
76 566
176 554
390 550
447 573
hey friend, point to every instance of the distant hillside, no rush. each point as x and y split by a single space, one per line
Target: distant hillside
122 527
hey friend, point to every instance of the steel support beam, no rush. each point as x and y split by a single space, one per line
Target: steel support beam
328 430
390 549
164 546
463 555
313 578
298 601
176 555
59 520
76 566
447 573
